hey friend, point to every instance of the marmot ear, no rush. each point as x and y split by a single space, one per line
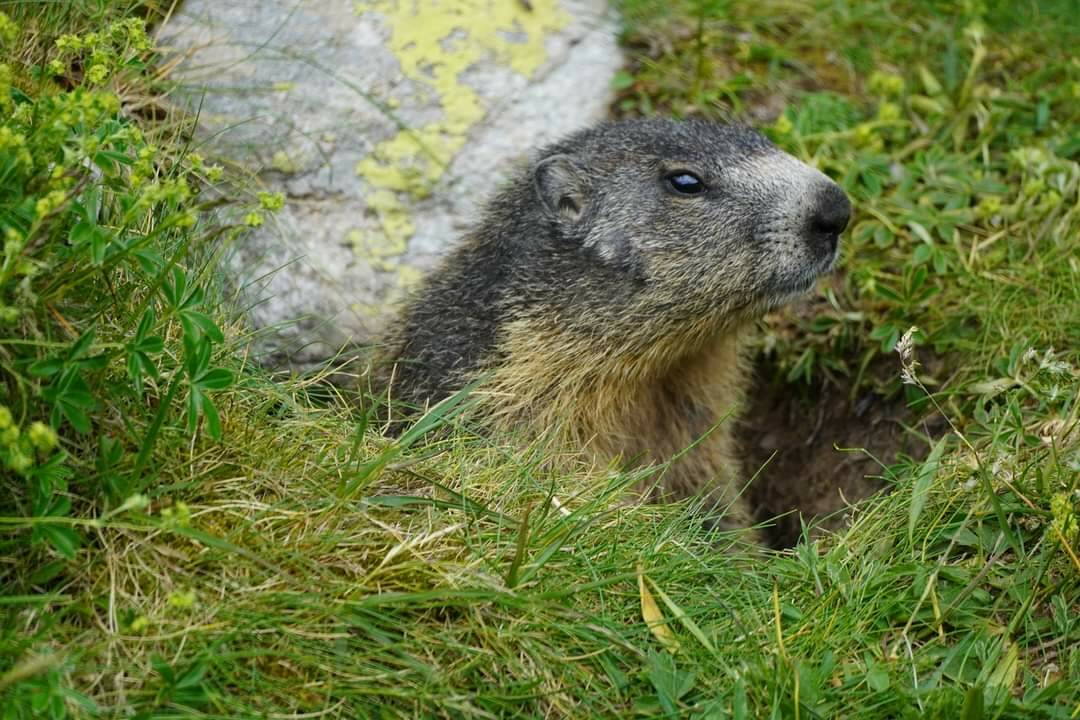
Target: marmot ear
560 184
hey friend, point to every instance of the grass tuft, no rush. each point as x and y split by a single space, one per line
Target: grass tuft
183 535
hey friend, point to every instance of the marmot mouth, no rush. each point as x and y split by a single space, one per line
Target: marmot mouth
784 288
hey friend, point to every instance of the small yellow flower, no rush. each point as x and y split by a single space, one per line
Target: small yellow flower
5 417
783 125
139 624
19 461
8 30
182 600
1050 200
988 206
69 43
23 112
214 173
866 135
26 268
97 74
253 219
183 512
888 112
1064 517
886 84
57 67
283 163
10 140
50 202
179 515
42 436
271 201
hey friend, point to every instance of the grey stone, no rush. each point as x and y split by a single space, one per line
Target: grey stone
343 107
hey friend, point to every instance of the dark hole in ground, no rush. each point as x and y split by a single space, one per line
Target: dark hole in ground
807 479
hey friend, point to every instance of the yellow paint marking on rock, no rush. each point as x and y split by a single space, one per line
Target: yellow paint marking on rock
435 41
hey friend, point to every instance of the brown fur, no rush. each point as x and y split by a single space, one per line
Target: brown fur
629 409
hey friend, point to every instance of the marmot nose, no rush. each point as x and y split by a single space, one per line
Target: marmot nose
830 214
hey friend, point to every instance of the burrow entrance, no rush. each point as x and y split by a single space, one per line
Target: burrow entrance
791 438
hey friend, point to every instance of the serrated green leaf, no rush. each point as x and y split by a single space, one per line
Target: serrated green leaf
194 407
95 362
99 243
622 80
134 368
193 675
215 379
118 157
197 352
922 233
78 398
81 233
47 367
163 668
151 344
47 572
76 416
174 291
877 677
146 324
193 299
150 262
91 202
213 421
205 324
65 540
81 345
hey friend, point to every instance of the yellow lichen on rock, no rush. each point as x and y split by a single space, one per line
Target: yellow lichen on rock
396 226
435 42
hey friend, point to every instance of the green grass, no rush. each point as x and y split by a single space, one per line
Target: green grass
210 542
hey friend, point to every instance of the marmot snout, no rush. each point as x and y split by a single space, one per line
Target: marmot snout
604 293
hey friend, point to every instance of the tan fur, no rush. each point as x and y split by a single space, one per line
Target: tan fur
631 408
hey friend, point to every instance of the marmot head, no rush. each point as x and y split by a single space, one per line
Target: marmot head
707 219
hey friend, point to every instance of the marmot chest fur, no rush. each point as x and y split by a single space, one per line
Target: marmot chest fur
604 293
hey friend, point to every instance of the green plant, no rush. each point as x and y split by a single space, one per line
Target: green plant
305 565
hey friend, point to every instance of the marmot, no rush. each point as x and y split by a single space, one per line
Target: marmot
604 295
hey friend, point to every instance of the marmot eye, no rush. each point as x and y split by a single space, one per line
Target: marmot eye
686 183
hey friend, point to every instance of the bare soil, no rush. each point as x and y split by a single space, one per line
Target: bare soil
817 453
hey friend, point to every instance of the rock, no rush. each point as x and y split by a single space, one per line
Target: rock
385 124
